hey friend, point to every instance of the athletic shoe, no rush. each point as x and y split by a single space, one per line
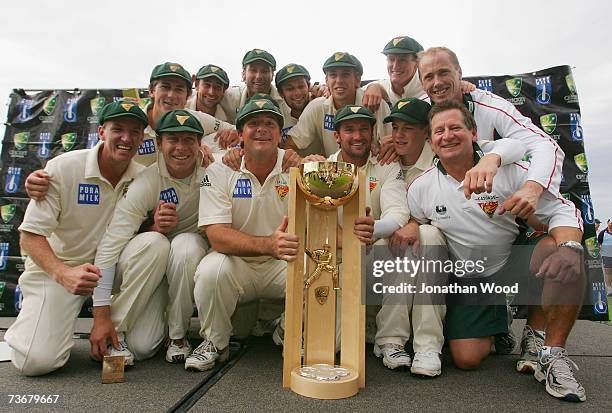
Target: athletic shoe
178 350
557 371
393 355
426 363
531 345
263 327
505 343
122 351
204 356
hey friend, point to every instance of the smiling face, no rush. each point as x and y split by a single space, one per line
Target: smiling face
451 139
210 92
180 150
408 138
261 134
342 83
169 93
401 68
440 76
295 91
121 137
257 76
354 136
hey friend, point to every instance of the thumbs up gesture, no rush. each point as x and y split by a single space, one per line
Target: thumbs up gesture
283 246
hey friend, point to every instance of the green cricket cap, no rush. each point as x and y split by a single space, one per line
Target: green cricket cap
411 110
353 112
170 69
402 45
258 54
256 106
258 96
213 71
120 109
179 120
342 59
289 71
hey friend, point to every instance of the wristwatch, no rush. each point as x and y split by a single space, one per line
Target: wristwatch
573 245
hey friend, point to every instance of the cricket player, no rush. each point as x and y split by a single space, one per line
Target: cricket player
211 82
495 117
343 77
134 264
60 235
244 215
488 219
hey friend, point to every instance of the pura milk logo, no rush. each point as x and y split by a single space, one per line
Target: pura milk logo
587 209
485 84
543 90
92 140
575 127
89 194
24 110
147 147
328 122
70 109
44 145
12 179
169 195
243 189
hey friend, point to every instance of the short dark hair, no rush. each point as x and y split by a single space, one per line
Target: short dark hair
468 119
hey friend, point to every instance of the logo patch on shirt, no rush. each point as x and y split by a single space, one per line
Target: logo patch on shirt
169 195
205 181
373 183
441 209
488 203
328 122
243 189
89 194
282 189
146 147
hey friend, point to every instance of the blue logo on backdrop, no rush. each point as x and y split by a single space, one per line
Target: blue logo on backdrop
12 179
543 90
485 84
600 302
89 194
243 189
25 110
146 147
18 300
70 110
576 126
4 252
328 122
169 195
92 140
587 209
44 148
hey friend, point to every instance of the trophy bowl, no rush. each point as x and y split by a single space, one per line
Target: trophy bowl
327 185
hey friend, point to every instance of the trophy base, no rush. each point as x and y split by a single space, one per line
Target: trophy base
325 387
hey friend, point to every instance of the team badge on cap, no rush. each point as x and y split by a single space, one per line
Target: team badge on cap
339 56
355 109
397 40
290 69
260 103
127 106
174 67
214 69
401 104
181 119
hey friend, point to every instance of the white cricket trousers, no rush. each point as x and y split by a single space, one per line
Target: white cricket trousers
223 281
393 321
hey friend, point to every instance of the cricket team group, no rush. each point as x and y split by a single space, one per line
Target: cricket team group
186 202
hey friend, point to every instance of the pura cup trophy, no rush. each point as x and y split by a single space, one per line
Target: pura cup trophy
317 190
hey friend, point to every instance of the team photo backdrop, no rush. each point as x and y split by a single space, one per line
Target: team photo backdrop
44 124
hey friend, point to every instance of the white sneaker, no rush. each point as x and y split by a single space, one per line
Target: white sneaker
178 350
531 345
557 372
426 363
204 356
122 351
393 355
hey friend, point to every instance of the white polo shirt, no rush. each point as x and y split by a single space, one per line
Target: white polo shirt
145 192
386 192
471 225
237 198
495 115
317 123
414 89
147 151
78 206
235 97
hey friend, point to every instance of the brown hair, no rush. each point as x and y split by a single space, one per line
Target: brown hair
468 119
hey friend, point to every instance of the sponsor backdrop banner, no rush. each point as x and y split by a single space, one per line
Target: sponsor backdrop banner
45 124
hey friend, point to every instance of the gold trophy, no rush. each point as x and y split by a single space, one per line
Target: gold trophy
310 303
